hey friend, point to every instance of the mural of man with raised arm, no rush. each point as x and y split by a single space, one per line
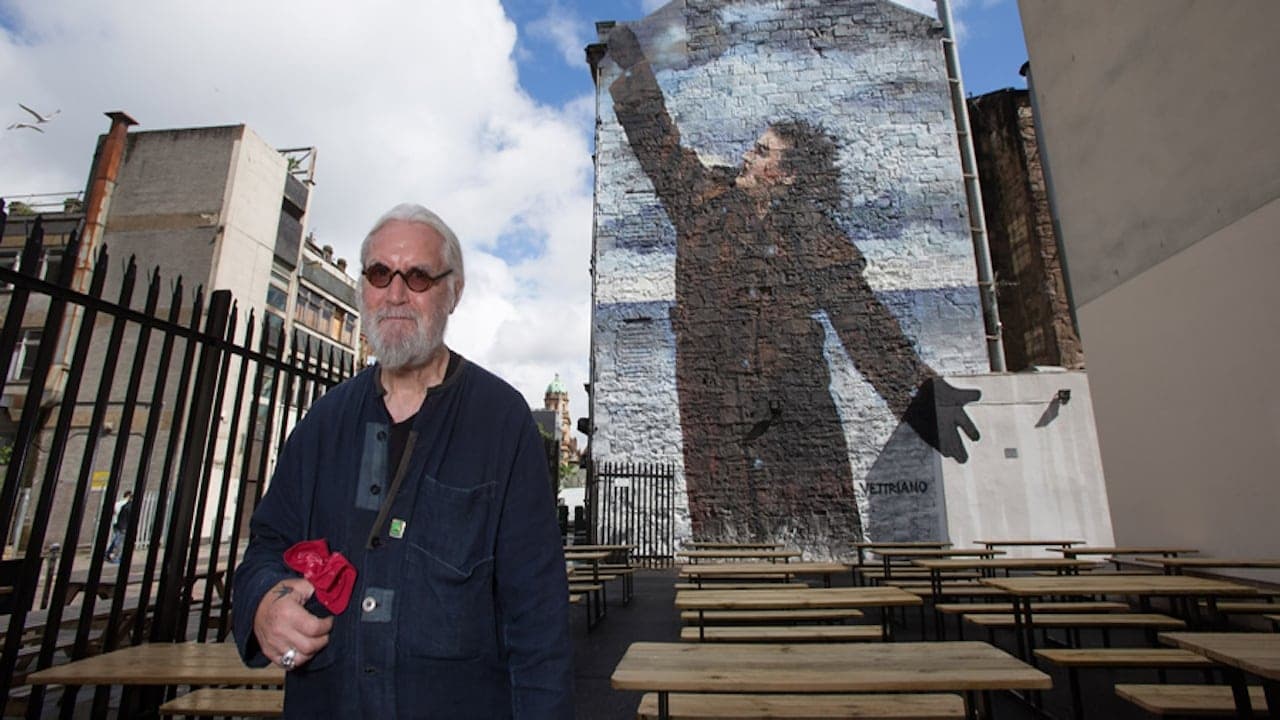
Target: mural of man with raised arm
760 262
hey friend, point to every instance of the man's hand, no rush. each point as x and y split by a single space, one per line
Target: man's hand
281 623
937 414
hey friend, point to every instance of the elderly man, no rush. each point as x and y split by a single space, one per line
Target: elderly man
427 473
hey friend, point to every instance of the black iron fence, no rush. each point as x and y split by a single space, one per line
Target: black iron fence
183 405
633 503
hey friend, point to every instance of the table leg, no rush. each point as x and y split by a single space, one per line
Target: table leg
1271 689
935 587
1240 691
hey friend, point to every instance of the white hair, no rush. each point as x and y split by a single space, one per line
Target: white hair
414 213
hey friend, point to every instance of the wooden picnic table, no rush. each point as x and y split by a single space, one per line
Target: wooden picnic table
613 548
861 548
189 663
720 545
798 598
109 578
1027 543
1175 565
597 608
888 556
966 667
989 567
1023 590
762 570
1165 550
772 555
1253 653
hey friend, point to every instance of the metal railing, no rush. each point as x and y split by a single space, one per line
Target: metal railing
184 406
634 504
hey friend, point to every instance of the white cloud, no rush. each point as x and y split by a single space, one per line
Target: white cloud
404 101
566 31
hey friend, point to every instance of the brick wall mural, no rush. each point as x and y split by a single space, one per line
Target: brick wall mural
783 268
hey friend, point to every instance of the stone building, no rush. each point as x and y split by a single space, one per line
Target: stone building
1035 309
783 272
556 399
218 208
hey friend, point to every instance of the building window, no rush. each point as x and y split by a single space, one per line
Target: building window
9 259
277 297
278 291
24 356
273 324
348 330
52 265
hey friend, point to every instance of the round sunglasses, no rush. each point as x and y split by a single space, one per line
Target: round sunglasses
416 279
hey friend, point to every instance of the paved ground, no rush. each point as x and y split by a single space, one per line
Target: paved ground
652 616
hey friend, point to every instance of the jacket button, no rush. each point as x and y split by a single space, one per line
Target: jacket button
374 489
382 435
369 604
377 542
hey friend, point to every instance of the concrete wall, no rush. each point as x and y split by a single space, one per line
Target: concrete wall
249 217
1158 128
771 350
1038 473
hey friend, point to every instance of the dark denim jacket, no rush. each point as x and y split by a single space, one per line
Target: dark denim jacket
466 613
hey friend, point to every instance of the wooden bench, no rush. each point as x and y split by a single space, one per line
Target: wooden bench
1125 658
593 594
697 706
1189 699
713 585
237 702
1036 607
974 590
959 609
782 633
912 573
626 572
1238 607
1073 659
770 616
1106 622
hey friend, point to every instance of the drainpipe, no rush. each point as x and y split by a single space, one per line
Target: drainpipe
973 192
102 185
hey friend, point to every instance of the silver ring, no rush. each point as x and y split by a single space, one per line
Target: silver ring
288 658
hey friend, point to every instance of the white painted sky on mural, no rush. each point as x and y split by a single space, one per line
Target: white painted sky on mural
481 109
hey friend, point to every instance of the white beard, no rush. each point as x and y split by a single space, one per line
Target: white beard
406 349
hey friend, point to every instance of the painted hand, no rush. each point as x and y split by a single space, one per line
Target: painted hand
938 415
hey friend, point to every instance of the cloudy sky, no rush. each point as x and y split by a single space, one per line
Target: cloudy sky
481 110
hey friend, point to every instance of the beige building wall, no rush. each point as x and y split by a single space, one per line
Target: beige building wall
249 218
1157 123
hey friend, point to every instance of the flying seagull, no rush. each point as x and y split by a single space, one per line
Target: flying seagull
39 119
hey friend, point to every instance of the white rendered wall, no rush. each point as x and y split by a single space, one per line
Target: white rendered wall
1037 472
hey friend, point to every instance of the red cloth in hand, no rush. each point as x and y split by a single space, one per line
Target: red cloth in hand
330 573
